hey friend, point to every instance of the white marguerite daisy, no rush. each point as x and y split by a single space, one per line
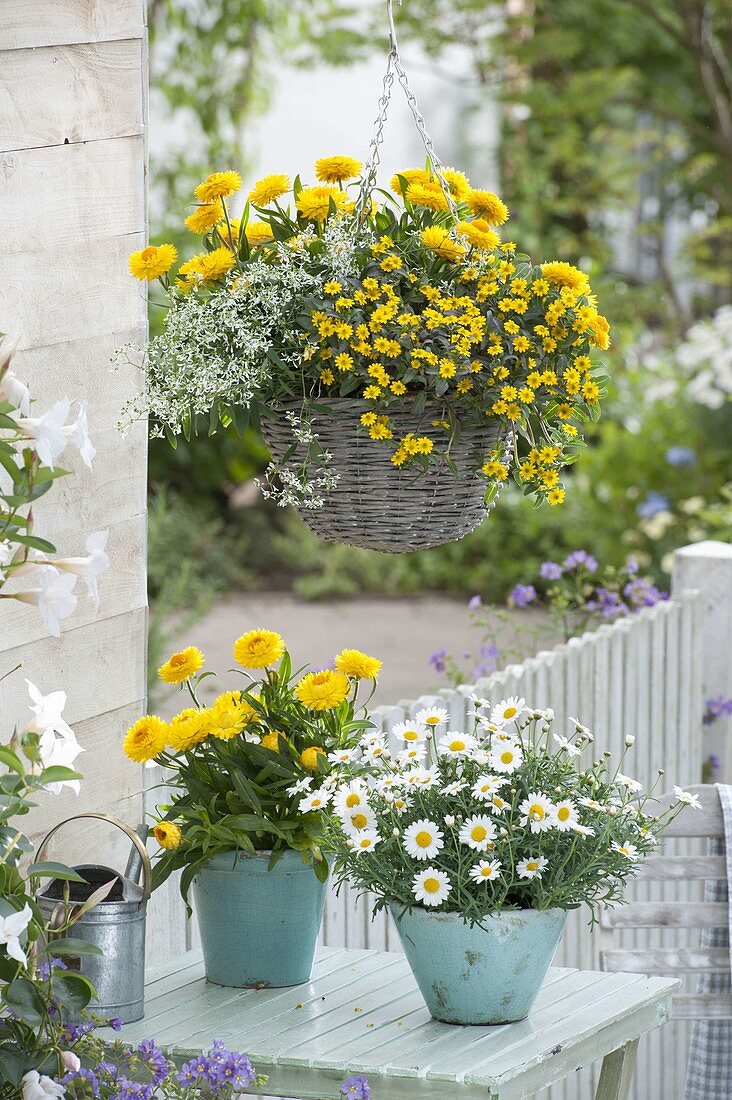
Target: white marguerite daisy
579 728
498 804
400 804
506 757
569 746
537 811
502 736
456 744
411 732
341 756
365 840
428 777
486 786
630 851
431 887
485 869
413 752
531 867
454 788
350 796
687 798
376 750
489 727
431 716
591 804
478 832
423 840
318 800
565 815
302 785
389 782
629 783
583 830
508 710
358 819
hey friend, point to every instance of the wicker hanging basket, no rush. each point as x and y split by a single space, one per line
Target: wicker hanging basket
379 506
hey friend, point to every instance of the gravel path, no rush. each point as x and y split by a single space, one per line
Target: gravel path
402 632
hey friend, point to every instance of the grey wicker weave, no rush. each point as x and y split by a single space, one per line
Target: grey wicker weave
377 505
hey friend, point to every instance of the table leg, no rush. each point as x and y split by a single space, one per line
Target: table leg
617 1073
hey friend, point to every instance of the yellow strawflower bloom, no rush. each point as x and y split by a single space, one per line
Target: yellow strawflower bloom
204 218
268 189
560 273
258 648
258 232
228 715
167 834
438 240
484 204
314 202
309 758
224 227
219 185
355 663
145 739
411 175
336 169
600 332
427 194
188 728
181 666
458 183
479 233
322 690
271 740
152 262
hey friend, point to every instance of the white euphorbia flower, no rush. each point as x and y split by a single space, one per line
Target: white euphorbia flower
91 566
11 929
54 598
47 712
38 1087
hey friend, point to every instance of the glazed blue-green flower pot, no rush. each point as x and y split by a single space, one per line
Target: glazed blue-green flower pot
487 974
258 927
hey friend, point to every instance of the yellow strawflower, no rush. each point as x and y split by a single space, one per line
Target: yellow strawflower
560 273
355 663
271 740
181 666
188 728
145 739
336 169
224 227
167 834
411 175
479 233
258 232
600 332
314 202
438 240
204 218
219 185
152 262
484 204
458 183
427 194
228 715
309 758
268 189
322 690
258 648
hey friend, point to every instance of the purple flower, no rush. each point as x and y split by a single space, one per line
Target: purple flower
438 660
133 1090
82 1074
550 571
631 566
717 708
681 456
154 1059
579 558
609 604
487 661
220 1069
115 1023
522 595
654 503
356 1088
641 593
474 603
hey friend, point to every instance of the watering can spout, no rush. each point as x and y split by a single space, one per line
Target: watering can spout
133 870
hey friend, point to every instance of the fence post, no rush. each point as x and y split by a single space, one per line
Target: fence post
707 568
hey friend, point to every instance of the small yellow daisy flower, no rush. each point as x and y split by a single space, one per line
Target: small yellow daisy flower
219 185
268 189
337 169
258 648
168 835
181 666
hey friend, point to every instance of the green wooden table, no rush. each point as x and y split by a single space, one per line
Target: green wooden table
362 1013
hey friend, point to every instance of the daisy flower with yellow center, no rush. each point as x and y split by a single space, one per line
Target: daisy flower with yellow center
258 648
486 786
318 800
152 262
508 710
146 738
431 716
219 185
630 851
485 869
565 816
423 840
322 690
456 745
365 840
531 867
181 666
506 757
537 811
168 835
355 821
431 886
478 832
268 189
337 169
350 797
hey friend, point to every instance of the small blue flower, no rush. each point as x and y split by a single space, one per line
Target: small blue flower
654 503
474 603
681 456
580 558
356 1088
550 571
522 595
438 660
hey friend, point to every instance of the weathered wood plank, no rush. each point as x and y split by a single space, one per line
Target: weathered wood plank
122 588
105 178
670 914
89 92
617 1073
683 867
26 23
703 1006
76 292
667 960
101 666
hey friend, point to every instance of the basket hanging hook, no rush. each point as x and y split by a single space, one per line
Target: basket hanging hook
393 43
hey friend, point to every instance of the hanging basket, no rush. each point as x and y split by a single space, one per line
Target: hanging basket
379 506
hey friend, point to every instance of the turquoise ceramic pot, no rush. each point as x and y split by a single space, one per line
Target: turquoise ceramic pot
258 927
487 974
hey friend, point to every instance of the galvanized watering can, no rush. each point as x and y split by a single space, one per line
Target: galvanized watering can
116 925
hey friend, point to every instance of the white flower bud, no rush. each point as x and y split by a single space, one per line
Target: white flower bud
449 820
70 1061
629 740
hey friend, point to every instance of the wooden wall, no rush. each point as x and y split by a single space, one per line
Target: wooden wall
73 113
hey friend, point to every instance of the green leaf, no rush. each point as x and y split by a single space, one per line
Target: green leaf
70 946
10 760
73 991
24 999
48 869
57 774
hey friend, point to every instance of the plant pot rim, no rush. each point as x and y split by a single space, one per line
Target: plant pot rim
452 916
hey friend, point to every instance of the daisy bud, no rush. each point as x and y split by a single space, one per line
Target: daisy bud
449 820
630 740
503 832
395 831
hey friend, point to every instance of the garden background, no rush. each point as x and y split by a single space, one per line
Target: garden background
607 129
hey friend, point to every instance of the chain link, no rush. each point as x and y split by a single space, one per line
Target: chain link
373 159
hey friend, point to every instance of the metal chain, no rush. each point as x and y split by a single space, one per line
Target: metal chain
394 63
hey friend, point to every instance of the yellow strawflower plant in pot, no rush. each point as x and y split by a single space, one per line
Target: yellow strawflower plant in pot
246 772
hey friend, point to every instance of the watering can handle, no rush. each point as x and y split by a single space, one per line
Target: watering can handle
141 849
